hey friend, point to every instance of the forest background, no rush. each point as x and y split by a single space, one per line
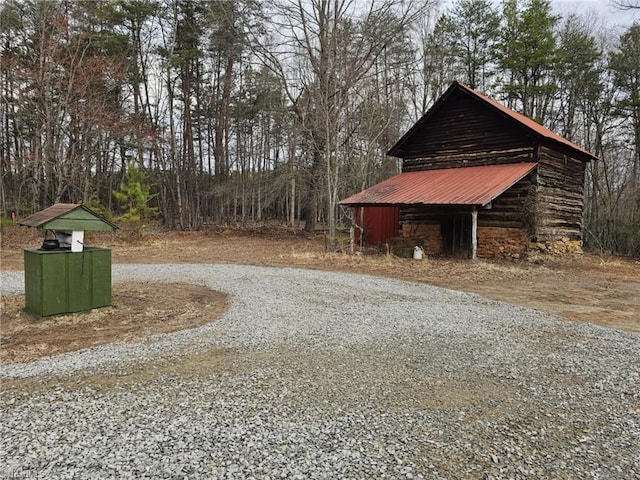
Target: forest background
238 111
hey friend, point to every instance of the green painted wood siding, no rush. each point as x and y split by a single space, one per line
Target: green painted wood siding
78 219
61 281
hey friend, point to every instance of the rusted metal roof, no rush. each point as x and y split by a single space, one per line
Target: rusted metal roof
531 125
451 186
67 216
44 216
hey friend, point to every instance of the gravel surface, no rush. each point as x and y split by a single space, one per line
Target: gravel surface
328 375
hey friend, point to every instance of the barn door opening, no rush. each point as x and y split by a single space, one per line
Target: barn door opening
456 235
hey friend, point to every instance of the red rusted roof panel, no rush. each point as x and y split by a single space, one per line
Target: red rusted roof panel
451 186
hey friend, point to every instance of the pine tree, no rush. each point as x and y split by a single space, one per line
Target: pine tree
476 27
528 54
134 195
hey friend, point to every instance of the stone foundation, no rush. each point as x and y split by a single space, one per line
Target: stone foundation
498 242
493 242
564 246
429 233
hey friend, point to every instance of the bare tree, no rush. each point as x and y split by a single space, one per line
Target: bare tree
626 4
329 47
64 87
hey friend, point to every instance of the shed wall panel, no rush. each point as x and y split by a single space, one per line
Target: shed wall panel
379 224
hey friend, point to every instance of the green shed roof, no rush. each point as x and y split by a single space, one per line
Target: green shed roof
69 217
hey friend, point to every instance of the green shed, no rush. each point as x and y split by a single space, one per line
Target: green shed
64 275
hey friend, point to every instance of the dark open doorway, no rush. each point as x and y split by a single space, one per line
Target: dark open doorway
456 235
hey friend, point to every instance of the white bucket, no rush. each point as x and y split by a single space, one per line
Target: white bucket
418 253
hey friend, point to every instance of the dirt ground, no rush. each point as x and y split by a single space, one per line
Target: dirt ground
136 311
603 290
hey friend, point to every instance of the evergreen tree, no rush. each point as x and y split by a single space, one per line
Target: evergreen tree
476 27
578 73
440 66
527 52
134 196
625 63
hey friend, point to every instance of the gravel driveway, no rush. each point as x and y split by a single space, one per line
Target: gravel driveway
327 375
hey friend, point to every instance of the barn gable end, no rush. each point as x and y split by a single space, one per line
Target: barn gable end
460 131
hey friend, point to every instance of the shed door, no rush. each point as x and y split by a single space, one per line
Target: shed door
456 235
380 224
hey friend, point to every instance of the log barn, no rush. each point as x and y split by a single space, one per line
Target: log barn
478 180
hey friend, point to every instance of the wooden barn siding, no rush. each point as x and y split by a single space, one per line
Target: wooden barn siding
425 222
472 159
463 134
512 209
425 215
560 196
503 229
493 242
431 234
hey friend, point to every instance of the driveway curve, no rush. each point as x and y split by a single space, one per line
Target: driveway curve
316 374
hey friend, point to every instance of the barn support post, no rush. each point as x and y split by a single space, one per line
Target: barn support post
361 226
352 240
474 234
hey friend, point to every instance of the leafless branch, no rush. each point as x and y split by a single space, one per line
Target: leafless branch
626 4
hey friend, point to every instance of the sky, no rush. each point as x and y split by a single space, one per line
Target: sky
603 8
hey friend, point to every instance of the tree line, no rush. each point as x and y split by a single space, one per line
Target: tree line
237 111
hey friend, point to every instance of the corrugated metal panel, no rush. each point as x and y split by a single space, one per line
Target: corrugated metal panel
379 223
451 186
